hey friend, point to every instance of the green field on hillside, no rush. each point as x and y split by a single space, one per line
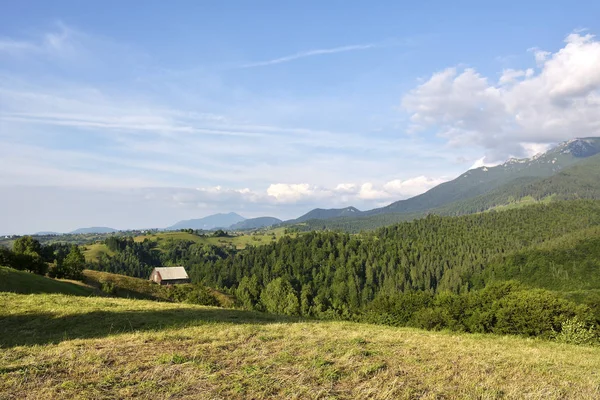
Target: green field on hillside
26 283
240 241
56 346
92 252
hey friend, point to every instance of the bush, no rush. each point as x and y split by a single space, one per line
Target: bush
108 287
575 331
192 294
432 319
534 313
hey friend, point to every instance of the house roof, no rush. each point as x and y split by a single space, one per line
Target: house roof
168 273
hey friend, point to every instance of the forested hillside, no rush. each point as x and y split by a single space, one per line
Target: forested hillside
341 271
372 275
578 181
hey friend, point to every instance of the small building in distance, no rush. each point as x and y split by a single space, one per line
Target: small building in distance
169 275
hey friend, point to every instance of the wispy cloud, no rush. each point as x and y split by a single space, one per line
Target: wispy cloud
54 41
313 53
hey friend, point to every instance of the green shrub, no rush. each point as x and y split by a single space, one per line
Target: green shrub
431 319
575 331
533 313
108 287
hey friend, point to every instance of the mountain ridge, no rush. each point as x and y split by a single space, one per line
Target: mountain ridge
219 220
94 229
255 223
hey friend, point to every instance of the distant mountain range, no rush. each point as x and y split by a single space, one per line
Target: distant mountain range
319 213
94 229
210 222
255 223
568 171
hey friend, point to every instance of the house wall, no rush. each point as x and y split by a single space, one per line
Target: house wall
174 281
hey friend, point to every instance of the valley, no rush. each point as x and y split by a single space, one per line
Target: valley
505 266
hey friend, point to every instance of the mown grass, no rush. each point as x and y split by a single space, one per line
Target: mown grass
24 282
56 346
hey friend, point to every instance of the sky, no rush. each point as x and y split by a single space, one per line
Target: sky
138 114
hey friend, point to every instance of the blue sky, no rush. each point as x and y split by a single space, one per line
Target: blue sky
138 114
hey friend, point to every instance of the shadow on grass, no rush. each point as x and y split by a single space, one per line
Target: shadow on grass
46 328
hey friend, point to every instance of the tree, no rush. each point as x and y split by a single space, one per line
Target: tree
27 244
26 256
71 267
247 293
279 297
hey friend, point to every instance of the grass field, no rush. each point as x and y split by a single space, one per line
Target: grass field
93 252
27 283
239 240
58 346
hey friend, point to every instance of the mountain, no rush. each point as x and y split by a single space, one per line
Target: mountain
94 229
579 181
319 213
482 180
569 171
209 222
255 223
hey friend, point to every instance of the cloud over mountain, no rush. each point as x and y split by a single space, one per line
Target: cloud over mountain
552 103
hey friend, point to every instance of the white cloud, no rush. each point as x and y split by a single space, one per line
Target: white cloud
311 53
511 75
290 193
62 38
369 192
346 188
540 55
412 186
559 102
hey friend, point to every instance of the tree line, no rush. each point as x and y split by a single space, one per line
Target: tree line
58 260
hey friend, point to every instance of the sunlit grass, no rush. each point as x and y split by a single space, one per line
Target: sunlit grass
56 346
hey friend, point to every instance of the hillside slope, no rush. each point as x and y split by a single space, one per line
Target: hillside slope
320 213
568 263
482 180
15 281
579 181
255 223
340 274
117 348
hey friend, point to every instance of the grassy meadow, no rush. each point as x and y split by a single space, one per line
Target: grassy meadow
92 252
27 283
239 240
60 346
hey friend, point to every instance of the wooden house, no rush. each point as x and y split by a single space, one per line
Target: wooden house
169 275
